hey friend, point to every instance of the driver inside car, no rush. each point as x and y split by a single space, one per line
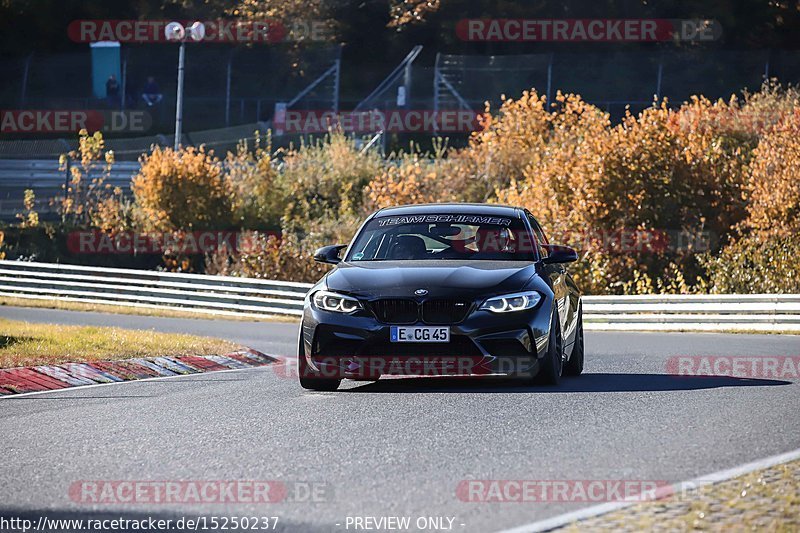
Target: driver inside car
493 242
409 247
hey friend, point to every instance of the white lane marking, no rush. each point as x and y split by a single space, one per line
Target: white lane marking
565 519
80 387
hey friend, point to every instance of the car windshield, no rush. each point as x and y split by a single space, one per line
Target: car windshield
444 237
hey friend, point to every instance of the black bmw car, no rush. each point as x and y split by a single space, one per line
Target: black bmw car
443 289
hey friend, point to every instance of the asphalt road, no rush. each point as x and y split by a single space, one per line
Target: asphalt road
393 448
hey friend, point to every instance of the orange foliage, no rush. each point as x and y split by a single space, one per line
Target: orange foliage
774 185
183 190
724 168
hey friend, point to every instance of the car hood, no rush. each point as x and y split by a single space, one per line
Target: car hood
444 279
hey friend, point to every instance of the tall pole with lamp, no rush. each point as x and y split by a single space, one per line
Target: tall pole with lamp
176 32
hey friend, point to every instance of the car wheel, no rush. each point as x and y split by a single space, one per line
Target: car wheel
552 363
574 366
307 379
320 384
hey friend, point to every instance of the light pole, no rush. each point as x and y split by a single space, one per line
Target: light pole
176 32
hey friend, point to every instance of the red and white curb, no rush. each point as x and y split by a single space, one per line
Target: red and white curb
53 377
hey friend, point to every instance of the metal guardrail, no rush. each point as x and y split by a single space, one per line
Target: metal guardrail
47 173
690 312
247 297
46 179
222 295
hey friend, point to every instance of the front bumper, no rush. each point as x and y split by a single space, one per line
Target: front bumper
357 346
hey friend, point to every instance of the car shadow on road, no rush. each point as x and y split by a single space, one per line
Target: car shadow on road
585 383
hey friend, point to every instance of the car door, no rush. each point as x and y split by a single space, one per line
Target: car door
561 283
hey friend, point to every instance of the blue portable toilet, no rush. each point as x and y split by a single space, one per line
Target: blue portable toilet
105 62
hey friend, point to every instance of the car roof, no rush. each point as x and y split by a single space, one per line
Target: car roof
455 208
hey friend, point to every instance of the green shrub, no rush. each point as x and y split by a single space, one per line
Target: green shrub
325 179
756 264
257 199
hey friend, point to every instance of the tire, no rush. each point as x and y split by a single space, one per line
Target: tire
307 381
552 363
574 366
320 384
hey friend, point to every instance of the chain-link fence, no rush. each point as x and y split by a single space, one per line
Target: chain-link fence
232 91
612 81
223 85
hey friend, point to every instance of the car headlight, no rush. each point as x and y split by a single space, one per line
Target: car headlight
508 303
338 303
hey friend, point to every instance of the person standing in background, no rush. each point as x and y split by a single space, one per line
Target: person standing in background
112 91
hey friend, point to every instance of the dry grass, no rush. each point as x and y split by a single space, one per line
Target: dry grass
25 344
767 500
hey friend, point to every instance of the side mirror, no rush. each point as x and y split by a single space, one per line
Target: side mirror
329 254
559 254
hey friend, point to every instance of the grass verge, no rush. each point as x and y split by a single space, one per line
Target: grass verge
766 500
126 310
26 344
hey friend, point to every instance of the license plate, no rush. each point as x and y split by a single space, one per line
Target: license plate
419 334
